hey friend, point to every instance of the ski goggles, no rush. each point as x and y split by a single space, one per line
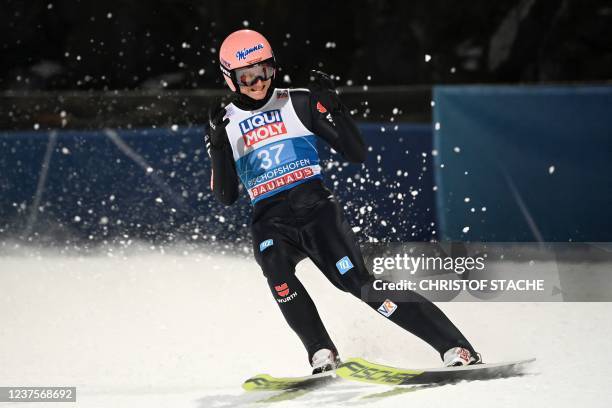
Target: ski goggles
248 76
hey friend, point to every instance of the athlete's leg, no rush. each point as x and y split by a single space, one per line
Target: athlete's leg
329 241
278 256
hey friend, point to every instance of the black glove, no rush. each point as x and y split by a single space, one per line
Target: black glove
323 91
216 136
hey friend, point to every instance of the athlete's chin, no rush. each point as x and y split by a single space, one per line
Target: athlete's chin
257 91
258 94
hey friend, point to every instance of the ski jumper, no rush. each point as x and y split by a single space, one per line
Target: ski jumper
272 150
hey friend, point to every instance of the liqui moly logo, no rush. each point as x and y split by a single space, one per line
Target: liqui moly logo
262 126
242 54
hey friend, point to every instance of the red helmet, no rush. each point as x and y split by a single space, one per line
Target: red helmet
245 57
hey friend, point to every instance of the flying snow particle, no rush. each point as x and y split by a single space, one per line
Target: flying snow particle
437 126
77 218
466 199
201 71
149 170
551 169
174 127
427 57
159 200
414 193
286 79
395 111
456 149
65 150
466 230
356 229
109 15
103 220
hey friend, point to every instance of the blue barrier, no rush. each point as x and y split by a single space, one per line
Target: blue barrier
537 158
153 185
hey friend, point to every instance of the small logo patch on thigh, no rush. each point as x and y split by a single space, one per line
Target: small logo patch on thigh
344 265
387 308
263 245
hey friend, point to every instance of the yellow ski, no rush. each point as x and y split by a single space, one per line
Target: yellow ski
358 369
266 382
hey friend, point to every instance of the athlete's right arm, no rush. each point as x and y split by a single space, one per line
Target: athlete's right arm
224 179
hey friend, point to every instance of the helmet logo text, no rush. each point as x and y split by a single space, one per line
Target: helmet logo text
242 54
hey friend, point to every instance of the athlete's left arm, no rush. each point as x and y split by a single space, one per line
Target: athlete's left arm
326 116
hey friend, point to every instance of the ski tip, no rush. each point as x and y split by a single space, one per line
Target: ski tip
253 382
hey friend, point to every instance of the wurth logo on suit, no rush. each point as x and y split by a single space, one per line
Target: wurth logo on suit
262 126
283 292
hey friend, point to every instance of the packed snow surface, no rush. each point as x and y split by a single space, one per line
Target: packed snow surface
185 329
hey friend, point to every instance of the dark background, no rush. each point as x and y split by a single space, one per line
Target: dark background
152 44
73 71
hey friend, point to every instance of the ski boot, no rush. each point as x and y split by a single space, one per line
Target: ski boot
324 360
459 356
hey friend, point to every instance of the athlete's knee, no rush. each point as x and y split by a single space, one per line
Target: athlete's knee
358 285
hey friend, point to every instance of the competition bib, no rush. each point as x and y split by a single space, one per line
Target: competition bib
273 150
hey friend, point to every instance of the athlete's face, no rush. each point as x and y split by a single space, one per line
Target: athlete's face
258 90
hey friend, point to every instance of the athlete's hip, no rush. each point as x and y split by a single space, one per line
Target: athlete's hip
293 205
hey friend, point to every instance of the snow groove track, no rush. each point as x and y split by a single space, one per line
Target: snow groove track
185 330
